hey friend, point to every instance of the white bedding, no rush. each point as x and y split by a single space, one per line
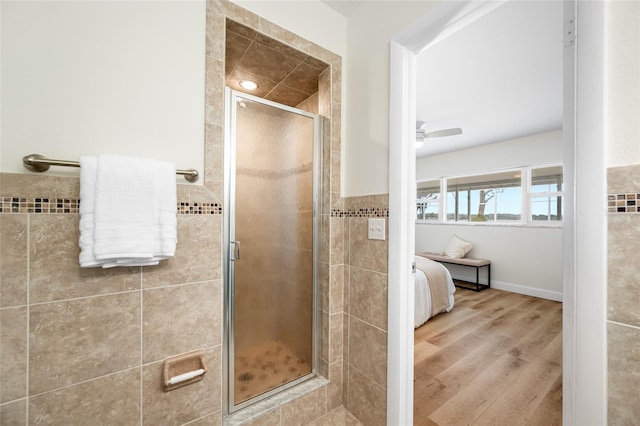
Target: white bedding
422 296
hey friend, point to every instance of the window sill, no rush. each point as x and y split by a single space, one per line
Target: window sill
494 224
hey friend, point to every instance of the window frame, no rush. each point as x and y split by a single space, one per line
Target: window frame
437 201
526 198
484 183
531 195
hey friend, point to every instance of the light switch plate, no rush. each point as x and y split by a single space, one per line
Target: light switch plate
376 229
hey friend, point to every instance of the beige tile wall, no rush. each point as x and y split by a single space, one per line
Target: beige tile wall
86 345
623 295
365 318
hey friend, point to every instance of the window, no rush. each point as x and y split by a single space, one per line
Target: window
485 198
526 195
546 194
428 202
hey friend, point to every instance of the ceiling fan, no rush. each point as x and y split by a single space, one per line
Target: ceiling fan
421 135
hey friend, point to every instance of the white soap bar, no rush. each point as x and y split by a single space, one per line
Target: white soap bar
186 376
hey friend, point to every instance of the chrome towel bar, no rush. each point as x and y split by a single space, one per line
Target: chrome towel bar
40 163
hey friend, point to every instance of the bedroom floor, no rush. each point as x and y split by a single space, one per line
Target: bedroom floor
495 359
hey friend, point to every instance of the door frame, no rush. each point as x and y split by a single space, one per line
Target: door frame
584 263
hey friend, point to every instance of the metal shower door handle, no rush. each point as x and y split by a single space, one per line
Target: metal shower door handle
236 250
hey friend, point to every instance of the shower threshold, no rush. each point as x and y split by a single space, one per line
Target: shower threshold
302 387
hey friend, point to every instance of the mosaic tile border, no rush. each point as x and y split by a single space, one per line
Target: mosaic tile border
623 203
44 205
39 205
199 208
363 212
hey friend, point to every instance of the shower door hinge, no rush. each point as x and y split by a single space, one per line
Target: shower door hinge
569 32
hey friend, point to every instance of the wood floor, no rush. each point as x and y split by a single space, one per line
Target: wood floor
495 359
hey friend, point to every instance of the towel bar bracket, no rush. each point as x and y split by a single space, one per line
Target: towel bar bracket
39 163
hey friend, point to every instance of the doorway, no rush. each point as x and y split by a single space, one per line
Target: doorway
584 359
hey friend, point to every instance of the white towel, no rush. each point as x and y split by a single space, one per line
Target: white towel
125 208
88 168
165 221
166 202
129 218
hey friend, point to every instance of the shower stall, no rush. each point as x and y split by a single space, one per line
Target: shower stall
272 164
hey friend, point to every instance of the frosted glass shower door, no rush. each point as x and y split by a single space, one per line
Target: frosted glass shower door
271 247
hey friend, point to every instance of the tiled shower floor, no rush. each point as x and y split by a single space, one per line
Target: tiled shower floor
265 367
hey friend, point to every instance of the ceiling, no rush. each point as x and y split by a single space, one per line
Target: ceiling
498 78
283 74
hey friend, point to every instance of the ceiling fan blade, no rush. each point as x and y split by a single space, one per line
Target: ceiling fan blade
444 132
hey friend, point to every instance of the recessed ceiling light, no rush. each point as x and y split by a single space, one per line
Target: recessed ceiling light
248 84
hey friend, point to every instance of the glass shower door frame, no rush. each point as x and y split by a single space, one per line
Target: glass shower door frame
232 98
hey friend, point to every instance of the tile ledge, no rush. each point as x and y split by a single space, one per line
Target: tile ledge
275 402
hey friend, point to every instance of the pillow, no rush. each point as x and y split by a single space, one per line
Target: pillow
457 247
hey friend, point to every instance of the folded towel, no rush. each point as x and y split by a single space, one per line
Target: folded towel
88 168
125 208
127 211
166 202
130 262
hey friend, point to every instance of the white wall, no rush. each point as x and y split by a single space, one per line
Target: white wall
623 50
535 149
1 86
526 260
94 77
523 259
371 27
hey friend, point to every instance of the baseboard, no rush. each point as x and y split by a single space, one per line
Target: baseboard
513 288
527 291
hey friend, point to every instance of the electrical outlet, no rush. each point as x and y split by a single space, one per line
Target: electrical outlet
376 229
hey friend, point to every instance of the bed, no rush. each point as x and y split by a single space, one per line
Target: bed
434 290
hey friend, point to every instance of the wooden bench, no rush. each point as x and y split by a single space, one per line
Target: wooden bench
465 261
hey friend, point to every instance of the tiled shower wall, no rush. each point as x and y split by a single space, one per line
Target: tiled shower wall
623 294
